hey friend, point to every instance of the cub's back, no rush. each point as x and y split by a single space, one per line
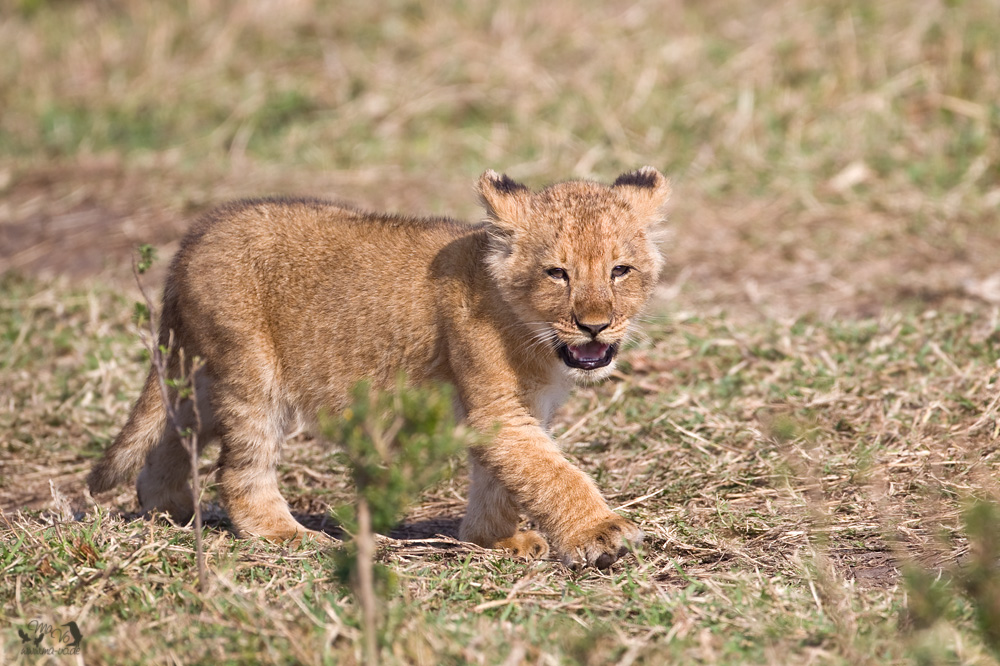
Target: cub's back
319 288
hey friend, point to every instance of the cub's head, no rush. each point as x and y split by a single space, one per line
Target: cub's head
575 261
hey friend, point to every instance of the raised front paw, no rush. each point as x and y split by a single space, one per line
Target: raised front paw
529 545
601 544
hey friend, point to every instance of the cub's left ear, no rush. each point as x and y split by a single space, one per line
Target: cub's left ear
646 190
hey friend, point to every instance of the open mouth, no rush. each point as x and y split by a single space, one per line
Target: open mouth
588 356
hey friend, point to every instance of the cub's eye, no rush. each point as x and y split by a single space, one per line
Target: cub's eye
620 271
558 273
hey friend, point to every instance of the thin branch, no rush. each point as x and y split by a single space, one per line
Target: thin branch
366 580
188 437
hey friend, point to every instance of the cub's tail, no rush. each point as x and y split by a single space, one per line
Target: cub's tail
126 456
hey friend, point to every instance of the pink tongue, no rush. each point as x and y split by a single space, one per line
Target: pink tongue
592 351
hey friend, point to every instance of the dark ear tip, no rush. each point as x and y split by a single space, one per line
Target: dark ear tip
646 177
500 182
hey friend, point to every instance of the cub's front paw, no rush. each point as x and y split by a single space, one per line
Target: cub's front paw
530 545
601 544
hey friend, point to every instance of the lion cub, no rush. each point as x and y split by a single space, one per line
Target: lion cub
291 302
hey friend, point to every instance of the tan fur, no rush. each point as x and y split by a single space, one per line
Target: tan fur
291 302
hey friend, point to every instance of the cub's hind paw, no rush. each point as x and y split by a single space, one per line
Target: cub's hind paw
602 544
530 545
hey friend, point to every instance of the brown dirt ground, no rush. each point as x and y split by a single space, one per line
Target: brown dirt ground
757 258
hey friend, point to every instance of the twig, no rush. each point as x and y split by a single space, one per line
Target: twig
365 581
191 444
638 499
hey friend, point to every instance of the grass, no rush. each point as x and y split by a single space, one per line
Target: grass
779 501
808 435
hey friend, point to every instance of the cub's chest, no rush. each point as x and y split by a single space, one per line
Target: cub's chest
551 394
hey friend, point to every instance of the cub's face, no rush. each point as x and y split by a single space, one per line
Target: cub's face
575 261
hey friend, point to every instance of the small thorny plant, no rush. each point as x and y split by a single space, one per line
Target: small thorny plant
147 255
174 390
934 597
980 578
142 314
396 444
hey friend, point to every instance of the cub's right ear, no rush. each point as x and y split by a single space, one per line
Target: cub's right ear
506 201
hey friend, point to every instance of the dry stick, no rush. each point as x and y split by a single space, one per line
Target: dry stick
190 443
365 582
365 540
188 440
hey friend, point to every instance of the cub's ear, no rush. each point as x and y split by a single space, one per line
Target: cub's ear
646 190
506 201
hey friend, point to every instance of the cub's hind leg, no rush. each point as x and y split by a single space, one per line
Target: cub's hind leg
253 428
492 517
163 482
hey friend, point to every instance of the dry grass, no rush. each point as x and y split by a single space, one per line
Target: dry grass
815 410
783 475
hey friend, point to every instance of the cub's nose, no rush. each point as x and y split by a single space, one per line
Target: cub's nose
593 329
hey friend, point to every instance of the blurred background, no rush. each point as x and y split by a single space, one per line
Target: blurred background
801 438
828 158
